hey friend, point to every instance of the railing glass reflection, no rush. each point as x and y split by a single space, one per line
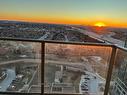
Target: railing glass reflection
118 84
20 67
71 69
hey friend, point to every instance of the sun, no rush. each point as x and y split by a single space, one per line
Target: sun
100 24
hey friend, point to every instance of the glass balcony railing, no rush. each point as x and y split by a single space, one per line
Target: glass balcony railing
75 68
48 67
20 66
118 84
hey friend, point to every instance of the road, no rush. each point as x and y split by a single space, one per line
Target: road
7 81
108 39
44 36
71 64
21 60
66 38
82 65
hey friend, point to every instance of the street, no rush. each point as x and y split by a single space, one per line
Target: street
7 81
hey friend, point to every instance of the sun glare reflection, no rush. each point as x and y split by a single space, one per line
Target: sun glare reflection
100 24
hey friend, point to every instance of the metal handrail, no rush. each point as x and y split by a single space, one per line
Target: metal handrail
63 42
55 41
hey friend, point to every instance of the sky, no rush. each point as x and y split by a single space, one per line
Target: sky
86 12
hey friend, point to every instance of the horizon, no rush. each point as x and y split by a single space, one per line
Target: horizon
76 12
62 24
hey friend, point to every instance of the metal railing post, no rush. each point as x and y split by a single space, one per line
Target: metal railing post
42 66
110 69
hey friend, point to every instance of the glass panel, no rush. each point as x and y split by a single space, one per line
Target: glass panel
75 68
20 67
118 85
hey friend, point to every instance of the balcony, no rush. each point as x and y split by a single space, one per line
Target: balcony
48 67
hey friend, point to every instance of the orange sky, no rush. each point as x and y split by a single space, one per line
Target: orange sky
85 12
64 21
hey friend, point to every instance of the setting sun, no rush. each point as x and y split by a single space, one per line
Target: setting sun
100 24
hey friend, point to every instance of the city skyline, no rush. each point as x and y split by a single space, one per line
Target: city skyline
85 12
